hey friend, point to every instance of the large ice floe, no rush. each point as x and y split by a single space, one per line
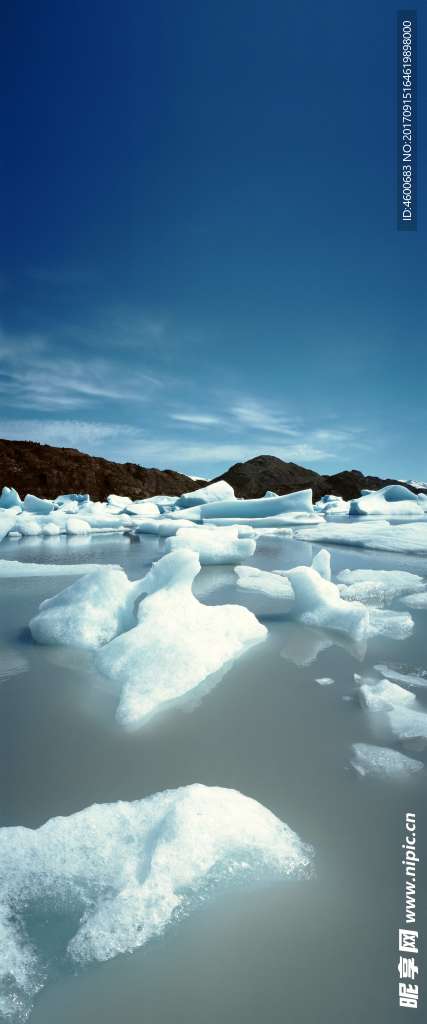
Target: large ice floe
405 717
290 507
383 762
378 586
90 612
394 499
219 491
177 643
214 547
404 538
113 876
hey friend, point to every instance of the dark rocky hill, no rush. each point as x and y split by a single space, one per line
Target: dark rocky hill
267 473
47 471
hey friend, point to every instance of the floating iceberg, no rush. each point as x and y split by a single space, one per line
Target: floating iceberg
318 603
278 522
40 506
10 498
260 581
178 642
383 695
27 526
256 508
332 504
7 523
322 563
382 761
379 586
213 546
219 491
164 526
405 538
90 612
394 499
325 681
113 876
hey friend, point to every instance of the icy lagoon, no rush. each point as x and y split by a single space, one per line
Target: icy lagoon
266 729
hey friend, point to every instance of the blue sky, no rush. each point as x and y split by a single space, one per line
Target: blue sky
200 261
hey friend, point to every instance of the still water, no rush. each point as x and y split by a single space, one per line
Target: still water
311 952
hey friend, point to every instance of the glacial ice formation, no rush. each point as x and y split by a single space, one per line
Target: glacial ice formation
177 643
318 603
89 612
76 526
10 498
213 546
113 876
378 586
219 491
256 508
269 584
394 499
39 506
383 695
383 762
415 600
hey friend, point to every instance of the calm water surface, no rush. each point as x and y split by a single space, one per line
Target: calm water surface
315 952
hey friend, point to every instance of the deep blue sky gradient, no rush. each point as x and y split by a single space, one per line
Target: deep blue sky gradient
200 260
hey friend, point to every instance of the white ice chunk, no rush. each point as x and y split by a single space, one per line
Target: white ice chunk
383 695
39 506
27 526
119 500
382 761
215 492
64 499
89 612
325 681
214 547
269 584
410 538
77 526
378 586
10 498
396 625
51 530
164 526
318 603
332 503
394 499
322 563
300 501
278 522
115 875
7 523
178 643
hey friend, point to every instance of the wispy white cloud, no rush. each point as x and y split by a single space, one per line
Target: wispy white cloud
71 433
195 418
252 413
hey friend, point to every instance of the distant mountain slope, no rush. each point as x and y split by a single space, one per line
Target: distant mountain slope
267 473
47 471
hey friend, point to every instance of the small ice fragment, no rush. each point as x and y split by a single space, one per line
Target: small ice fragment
325 681
383 762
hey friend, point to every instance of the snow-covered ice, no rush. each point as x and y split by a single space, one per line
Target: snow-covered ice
213 546
90 612
178 641
116 875
383 762
76 526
